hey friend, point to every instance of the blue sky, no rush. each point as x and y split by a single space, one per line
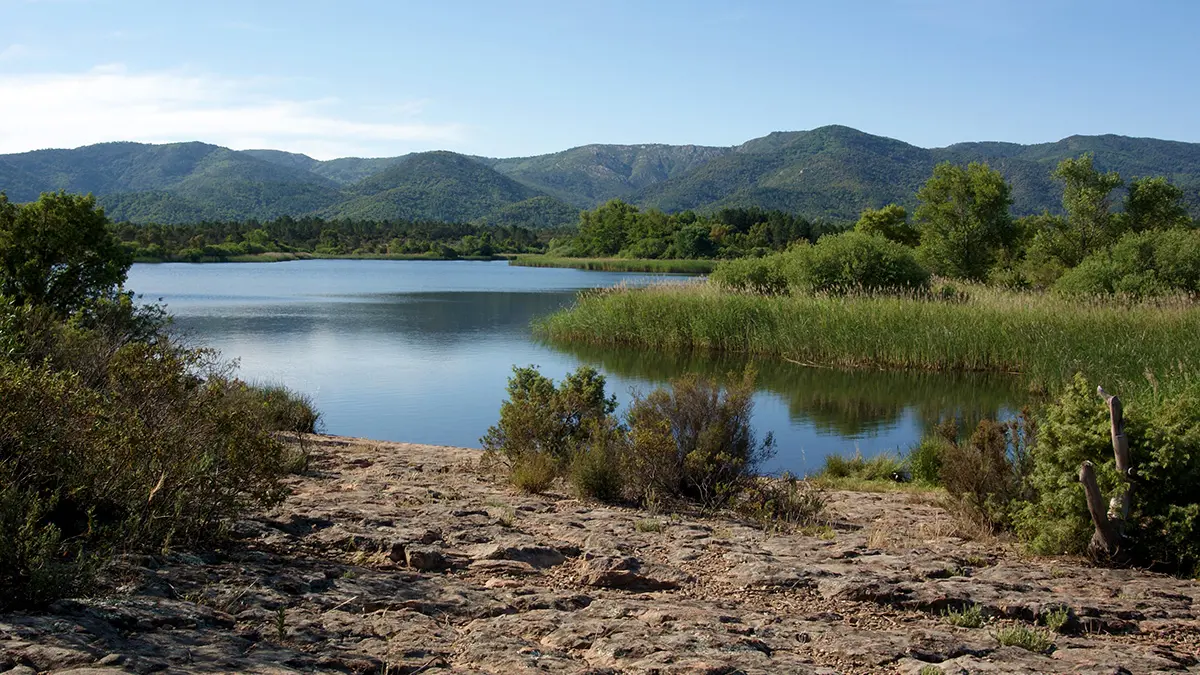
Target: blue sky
518 78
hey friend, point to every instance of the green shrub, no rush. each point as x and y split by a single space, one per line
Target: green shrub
767 275
1140 264
533 472
1057 620
882 467
597 469
1163 429
837 263
695 441
154 455
854 261
286 410
925 460
112 437
540 418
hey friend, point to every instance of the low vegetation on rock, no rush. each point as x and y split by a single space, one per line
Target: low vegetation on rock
690 443
114 438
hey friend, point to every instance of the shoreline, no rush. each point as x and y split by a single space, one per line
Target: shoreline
293 256
646 265
395 557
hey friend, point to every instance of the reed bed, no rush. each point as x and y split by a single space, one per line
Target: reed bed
617 264
1040 336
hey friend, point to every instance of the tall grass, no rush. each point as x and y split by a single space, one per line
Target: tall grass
617 264
1042 337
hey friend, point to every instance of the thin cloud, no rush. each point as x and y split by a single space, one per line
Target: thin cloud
109 103
14 52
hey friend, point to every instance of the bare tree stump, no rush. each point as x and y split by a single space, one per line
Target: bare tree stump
1110 523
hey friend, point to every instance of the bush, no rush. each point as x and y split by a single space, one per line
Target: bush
597 470
540 418
533 472
112 437
695 441
691 442
967 617
1163 429
767 275
858 261
1030 639
1140 264
158 455
286 410
785 500
838 263
986 474
925 460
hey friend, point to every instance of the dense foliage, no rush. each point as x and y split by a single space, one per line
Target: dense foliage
113 437
964 220
847 262
57 252
1163 427
623 230
224 240
1155 262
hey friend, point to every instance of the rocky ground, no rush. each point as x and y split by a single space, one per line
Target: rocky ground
396 558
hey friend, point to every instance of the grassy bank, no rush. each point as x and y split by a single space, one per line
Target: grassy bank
1042 337
618 264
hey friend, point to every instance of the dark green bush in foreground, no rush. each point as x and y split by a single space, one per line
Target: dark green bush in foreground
137 447
1163 427
112 437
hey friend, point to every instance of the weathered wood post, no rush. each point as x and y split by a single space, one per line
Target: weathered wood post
1110 524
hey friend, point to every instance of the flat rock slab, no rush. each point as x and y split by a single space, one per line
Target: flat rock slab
395 558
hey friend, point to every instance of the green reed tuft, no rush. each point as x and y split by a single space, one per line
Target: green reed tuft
1043 337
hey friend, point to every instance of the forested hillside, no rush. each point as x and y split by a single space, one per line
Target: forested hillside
831 173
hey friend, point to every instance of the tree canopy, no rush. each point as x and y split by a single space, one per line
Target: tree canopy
964 219
58 252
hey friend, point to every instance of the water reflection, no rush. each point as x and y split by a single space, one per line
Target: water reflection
422 351
854 404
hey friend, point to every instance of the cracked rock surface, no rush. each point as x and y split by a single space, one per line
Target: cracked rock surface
400 558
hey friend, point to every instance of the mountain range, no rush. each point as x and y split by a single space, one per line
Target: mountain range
829 173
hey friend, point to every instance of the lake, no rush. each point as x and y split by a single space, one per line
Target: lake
421 351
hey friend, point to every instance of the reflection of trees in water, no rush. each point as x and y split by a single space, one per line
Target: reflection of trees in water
444 317
849 403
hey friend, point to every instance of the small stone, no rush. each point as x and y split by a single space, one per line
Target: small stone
424 558
112 660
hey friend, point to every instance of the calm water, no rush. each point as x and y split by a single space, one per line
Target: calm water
421 351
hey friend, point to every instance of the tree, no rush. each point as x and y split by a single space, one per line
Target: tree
964 219
1087 200
604 230
1154 204
891 222
58 252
